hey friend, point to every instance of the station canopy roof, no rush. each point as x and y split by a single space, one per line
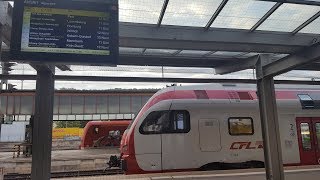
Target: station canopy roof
210 33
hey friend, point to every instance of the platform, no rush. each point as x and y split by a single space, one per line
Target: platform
57 144
291 173
62 161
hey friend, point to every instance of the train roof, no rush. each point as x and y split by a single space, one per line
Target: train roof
243 87
232 91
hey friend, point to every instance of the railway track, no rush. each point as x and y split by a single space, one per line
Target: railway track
67 174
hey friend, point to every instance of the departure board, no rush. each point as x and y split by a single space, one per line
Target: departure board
69 31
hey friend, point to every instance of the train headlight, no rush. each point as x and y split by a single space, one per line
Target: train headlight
125 148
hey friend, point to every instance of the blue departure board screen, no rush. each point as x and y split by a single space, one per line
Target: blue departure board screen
66 31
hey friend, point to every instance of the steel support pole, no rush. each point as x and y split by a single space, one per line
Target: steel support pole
42 126
1 81
269 125
1 115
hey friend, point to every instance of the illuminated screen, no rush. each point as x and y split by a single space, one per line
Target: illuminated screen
72 29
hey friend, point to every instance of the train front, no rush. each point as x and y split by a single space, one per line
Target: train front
128 159
127 153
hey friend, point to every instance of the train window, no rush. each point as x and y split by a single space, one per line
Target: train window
318 134
305 136
180 122
155 122
306 101
166 122
304 97
240 126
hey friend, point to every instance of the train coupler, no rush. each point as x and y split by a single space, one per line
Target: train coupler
114 161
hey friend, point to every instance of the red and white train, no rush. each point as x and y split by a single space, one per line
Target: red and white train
209 127
103 133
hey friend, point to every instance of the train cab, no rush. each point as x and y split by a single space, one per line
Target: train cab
103 133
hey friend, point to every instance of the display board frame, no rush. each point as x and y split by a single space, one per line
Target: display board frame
18 55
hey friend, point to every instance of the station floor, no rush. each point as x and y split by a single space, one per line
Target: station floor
291 173
62 160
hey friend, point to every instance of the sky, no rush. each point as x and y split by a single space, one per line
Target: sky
237 14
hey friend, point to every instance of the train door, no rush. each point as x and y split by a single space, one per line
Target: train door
148 141
209 135
316 130
309 140
177 142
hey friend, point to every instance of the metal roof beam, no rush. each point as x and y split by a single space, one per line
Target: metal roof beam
265 17
163 11
171 60
43 67
81 92
127 79
293 61
174 61
177 52
240 65
143 51
241 54
216 14
306 23
303 2
209 53
146 79
215 39
63 67
310 67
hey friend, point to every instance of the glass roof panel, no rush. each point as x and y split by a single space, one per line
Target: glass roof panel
242 14
160 51
190 12
313 27
140 11
127 50
288 17
193 53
